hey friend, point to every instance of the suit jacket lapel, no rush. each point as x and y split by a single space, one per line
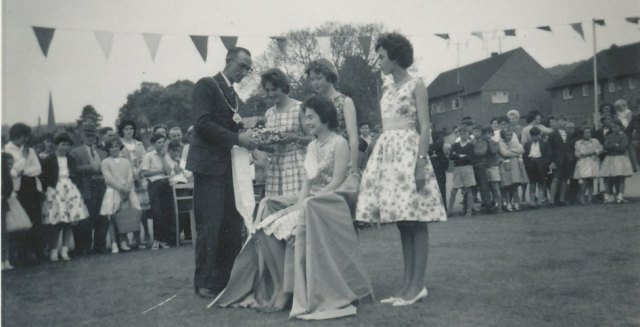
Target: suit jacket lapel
226 90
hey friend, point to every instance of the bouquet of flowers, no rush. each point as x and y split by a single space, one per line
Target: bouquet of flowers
266 136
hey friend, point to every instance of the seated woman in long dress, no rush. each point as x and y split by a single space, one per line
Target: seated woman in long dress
305 248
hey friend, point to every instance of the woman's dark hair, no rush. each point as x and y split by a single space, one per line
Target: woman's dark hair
277 78
155 137
159 126
324 67
617 121
398 48
503 134
125 123
325 109
62 137
18 130
109 144
503 119
174 145
531 116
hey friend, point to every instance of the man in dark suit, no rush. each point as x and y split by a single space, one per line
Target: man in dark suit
216 126
92 187
561 160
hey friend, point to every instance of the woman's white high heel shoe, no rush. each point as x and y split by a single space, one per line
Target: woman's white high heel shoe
389 300
401 302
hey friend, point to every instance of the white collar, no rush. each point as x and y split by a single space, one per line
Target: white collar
226 79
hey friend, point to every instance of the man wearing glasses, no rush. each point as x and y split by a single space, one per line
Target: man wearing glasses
215 132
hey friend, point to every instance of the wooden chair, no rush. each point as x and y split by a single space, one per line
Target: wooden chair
181 194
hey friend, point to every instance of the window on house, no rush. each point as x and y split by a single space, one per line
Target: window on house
612 87
437 108
632 84
585 90
500 97
567 94
456 103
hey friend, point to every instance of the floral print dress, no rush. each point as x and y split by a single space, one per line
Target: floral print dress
388 190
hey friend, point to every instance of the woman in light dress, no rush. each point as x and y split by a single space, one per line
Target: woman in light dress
398 184
304 249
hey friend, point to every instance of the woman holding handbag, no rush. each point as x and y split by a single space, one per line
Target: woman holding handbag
118 175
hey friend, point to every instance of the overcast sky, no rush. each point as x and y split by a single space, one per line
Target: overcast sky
77 72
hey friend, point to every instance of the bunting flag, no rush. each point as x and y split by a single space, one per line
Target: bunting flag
544 28
478 35
633 20
365 45
51 119
229 41
510 32
153 43
201 42
106 41
578 28
44 36
599 22
444 36
324 46
282 44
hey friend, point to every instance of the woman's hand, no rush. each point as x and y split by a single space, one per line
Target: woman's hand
420 174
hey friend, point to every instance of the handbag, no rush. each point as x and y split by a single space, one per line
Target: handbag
128 218
17 218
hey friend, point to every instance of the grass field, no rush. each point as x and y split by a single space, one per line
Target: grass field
569 266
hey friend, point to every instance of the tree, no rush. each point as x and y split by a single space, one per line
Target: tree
359 77
89 115
154 104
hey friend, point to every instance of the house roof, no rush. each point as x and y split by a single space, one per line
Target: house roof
471 77
612 62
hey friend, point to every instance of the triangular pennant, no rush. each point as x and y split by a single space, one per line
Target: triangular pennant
153 43
229 41
599 22
633 20
510 32
44 36
106 41
478 35
365 45
544 28
578 28
324 46
444 36
51 119
201 42
281 42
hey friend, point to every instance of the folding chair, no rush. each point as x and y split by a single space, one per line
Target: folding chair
183 193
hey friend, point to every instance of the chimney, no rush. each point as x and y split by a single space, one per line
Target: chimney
494 54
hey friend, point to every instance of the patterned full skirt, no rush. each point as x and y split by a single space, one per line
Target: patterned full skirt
64 204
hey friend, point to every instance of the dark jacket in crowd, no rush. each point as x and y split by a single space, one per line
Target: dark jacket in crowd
50 170
462 155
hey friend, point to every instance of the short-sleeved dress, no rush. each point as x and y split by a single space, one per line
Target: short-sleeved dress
388 190
588 164
285 172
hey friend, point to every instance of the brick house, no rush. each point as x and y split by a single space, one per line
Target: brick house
618 76
489 88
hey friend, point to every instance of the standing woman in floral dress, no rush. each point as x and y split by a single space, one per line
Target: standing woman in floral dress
398 184
285 172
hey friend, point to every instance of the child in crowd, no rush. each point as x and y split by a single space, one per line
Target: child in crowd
480 149
462 156
616 165
118 175
493 171
536 162
587 150
156 169
512 172
64 205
